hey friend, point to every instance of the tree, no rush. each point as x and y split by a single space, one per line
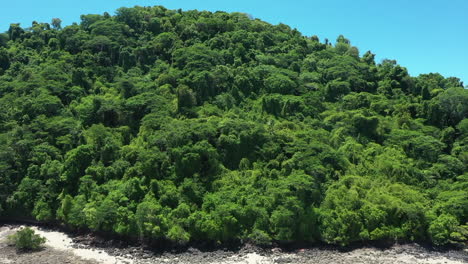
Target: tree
369 58
278 83
335 89
185 98
56 23
26 239
15 31
4 59
441 230
342 39
450 107
150 220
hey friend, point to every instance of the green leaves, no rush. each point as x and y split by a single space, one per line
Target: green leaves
443 229
336 89
26 239
195 126
278 83
359 208
150 219
4 59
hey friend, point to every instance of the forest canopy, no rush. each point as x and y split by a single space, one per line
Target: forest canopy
185 126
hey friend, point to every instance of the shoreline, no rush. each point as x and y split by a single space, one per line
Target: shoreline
90 248
104 240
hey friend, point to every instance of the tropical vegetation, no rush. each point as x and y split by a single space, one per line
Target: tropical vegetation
186 126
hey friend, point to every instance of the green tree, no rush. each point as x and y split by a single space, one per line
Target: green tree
56 23
26 239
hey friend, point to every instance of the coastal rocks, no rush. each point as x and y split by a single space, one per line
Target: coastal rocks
61 248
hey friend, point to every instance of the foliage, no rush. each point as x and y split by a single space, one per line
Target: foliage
26 239
190 126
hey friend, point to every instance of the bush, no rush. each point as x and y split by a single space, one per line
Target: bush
26 239
260 238
445 230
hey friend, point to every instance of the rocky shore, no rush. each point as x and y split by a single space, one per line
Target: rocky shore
62 248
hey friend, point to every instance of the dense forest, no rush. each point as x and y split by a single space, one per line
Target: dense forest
186 126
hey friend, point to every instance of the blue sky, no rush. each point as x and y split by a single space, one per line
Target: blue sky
422 35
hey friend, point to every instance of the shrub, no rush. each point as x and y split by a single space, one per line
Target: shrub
26 239
260 238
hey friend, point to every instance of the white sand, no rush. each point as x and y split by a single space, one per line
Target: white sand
254 258
358 256
5 261
4 231
3 235
61 241
367 255
251 258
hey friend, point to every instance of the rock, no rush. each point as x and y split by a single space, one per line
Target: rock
283 260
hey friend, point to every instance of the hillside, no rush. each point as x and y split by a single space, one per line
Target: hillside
186 126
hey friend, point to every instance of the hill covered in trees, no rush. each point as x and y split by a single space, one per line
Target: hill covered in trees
196 126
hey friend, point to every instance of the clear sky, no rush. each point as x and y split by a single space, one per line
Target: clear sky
422 35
